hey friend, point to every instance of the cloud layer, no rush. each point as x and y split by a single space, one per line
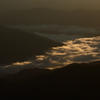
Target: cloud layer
76 50
69 30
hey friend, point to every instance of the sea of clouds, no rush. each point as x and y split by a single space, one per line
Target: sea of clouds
74 50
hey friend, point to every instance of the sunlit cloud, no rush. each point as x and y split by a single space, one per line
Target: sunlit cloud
20 63
73 51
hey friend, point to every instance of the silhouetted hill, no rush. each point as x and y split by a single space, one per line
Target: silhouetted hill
39 16
75 81
17 45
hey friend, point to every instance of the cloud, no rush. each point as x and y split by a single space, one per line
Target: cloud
77 50
59 37
69 30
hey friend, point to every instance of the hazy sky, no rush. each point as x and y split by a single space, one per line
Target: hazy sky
57 4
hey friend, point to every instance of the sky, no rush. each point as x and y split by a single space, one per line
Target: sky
55 4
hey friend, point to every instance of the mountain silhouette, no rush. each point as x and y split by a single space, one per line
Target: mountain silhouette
70 82
38 16
17 45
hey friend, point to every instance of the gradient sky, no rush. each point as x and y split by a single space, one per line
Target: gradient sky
55 4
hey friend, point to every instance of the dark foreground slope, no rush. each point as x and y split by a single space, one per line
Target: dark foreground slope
38 16
71 82
17 45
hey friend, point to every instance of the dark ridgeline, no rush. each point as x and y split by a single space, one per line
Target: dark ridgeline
71 82
17 45
38 16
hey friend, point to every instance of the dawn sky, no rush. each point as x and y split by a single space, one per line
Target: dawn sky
55 4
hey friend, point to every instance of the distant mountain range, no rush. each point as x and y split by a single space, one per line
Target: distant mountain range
39 16
71 82
17 45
